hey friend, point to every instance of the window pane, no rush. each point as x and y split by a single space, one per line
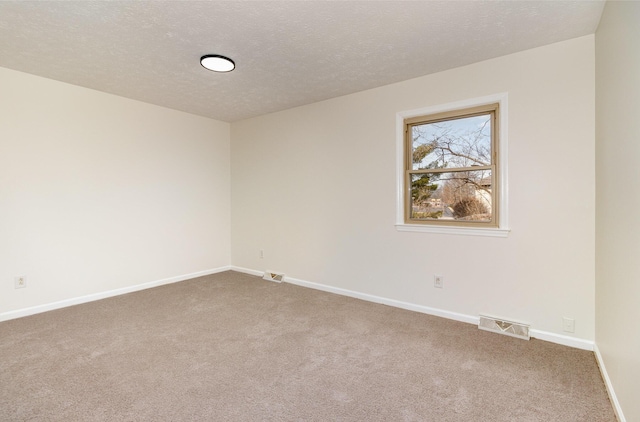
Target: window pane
464 142
459 196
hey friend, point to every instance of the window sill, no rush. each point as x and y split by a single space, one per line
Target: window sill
465 231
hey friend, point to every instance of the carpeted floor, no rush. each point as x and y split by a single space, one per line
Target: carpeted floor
233 347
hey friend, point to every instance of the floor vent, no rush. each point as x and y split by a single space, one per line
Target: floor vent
277 277
508 328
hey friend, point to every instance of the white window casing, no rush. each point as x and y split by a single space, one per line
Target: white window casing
502 229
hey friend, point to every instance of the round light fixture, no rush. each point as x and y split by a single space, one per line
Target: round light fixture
217 63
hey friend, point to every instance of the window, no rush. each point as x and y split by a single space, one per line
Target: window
452 171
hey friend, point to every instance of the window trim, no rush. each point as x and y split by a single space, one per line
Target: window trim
501 229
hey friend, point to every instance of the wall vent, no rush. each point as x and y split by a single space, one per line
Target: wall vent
271 276
501 326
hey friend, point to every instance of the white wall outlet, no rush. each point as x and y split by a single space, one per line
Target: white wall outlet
438 281
20 282
568 325
261 253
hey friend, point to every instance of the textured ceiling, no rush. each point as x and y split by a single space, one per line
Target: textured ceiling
286 53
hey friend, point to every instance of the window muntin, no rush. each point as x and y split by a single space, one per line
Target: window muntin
451 168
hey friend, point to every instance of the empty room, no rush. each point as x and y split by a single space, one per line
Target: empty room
319 211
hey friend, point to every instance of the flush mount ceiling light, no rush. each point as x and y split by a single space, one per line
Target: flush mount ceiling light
217 63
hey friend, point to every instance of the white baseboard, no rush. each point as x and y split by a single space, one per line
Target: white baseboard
607 382
385 301
5 316
470 319
541 335
575 342
246 271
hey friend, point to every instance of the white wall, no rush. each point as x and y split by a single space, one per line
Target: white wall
618 200
98 192
315 188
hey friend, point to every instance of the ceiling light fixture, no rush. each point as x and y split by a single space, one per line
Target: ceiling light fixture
217 63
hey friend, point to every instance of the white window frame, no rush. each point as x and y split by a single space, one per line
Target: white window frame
502 230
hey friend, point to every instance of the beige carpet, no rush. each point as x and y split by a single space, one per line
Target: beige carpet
232 347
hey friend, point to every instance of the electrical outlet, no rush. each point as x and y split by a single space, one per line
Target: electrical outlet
438 281
261 253
568 325
20 282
